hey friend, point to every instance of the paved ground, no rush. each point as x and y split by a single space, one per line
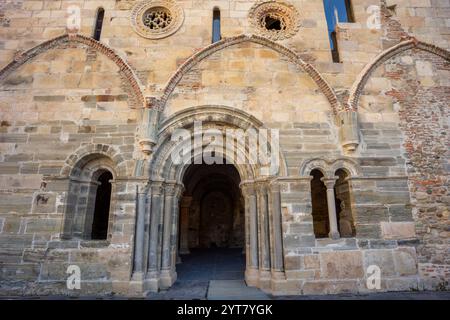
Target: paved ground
219 275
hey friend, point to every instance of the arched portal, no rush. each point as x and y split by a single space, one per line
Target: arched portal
179 167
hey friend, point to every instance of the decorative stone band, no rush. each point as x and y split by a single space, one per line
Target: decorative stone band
196 58
124 67
403 46
172 10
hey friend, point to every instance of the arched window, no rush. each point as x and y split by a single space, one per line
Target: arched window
87 210
337 11
102 204
216 26
99 24
319 205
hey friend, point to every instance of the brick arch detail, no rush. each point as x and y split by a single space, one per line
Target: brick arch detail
196 58
363 77
124 68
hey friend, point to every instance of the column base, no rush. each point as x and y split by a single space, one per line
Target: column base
252 277
137 277
167 278
152 282
265 280
278 282
334 235
136 288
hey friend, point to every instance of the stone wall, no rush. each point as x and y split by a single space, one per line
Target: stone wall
72 100
69 102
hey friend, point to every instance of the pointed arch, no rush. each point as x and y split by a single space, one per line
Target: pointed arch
124 67
196 58
363 77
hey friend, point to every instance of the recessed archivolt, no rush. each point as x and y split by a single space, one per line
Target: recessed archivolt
363 77
218 117
329 167
124 67
85 154
195 59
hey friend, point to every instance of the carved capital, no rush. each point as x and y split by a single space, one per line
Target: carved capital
248 190
157 188
329 182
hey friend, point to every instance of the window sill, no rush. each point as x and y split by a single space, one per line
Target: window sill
94 243
338 244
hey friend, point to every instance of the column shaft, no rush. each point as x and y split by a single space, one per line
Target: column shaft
253 229
140 232
277 232
156 209
167 229
334 231
263 216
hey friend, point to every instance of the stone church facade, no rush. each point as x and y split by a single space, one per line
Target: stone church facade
92 92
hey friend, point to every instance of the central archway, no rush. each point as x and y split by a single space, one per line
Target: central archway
157 250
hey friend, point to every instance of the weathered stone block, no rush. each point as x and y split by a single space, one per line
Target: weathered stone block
342 265
382 259
398 230
405 261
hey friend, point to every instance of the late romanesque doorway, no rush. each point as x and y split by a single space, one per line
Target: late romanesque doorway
212 224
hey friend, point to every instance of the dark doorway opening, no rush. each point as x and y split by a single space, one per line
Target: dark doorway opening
212 224
102 204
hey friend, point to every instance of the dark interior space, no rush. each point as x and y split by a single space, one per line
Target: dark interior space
212 224
102 204
319 205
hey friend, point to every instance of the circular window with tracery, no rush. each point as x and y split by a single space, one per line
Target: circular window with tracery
156 19
274 20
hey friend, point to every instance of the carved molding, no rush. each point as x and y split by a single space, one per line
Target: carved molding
157 19
285 14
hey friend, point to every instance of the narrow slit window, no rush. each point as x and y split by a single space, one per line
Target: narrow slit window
99 24
216 26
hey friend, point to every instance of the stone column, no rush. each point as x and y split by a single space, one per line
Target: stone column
138 264
251 236
276 230
152 278
171 195
329 183
175 229
184 224
264 242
